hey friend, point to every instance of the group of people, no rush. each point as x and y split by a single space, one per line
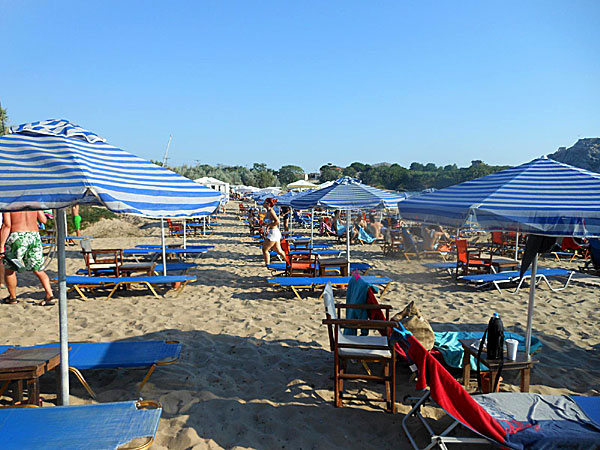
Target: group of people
21 250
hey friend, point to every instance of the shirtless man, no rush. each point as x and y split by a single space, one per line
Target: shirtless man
21 246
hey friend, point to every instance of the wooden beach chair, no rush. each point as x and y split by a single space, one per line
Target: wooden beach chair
364 349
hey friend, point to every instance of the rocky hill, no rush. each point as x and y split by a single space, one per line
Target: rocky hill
585 154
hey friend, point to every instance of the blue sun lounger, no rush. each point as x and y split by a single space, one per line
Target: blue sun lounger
156 252
295 283
77 282
181 267
155 246
99 426
441 266
116 355
513 276
361 267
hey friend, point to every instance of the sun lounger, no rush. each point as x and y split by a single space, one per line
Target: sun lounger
77 283
100 426
513 276
361 267
441 266
506 419
117 355
168 251
155 246
181 267
295 283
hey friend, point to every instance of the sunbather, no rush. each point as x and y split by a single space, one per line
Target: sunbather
374 227
21 246
273 235
431 236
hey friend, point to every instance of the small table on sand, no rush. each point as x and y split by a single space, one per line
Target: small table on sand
27 364
501 264
522 363
329 263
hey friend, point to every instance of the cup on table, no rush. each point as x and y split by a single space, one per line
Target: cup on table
511 348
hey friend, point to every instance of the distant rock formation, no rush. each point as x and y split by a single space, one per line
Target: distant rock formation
585 154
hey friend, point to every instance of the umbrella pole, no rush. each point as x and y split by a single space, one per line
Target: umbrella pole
348 213
203 225
312 224
530 306
291 222
164 246
517 247
60 220
184 235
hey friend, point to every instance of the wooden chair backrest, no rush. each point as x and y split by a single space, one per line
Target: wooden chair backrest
497 238
461 250
330 312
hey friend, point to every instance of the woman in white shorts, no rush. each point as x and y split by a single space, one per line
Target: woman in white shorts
273 235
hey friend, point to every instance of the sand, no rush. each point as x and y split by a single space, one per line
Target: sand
256 369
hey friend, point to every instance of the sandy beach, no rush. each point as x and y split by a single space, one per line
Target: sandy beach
256 369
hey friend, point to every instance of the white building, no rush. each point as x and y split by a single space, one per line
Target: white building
215 184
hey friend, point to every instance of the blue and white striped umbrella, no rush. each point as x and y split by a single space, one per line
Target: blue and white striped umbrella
54 163
348 193
543 197
286 199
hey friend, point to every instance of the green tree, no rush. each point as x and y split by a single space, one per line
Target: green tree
329 172
290 173
3 121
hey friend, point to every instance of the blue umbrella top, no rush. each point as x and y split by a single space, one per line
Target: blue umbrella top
348 193
542 196
55 163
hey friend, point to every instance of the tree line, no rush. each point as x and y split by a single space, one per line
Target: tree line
386 176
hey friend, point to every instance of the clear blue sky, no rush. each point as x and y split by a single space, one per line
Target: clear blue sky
309 82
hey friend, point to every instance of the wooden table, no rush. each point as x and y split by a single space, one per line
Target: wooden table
505 263
341 263
522 363
27 364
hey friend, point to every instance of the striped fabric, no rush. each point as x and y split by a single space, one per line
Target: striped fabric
53 164
542 196
347 193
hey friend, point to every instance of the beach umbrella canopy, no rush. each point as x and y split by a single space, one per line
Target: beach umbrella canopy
348 193
542 197
301 184
55 163
286 199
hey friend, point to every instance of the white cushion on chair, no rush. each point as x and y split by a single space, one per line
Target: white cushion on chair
328 301
363 340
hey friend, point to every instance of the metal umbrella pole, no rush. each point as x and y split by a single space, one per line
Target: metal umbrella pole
61 234
517 247
530 306
348 214
164 246
184 235
312 225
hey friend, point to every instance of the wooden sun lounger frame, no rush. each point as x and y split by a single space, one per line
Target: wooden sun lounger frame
77 287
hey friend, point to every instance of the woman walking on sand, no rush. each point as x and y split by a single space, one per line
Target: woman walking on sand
273 235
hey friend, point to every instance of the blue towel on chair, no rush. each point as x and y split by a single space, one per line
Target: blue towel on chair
356 294
364 236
